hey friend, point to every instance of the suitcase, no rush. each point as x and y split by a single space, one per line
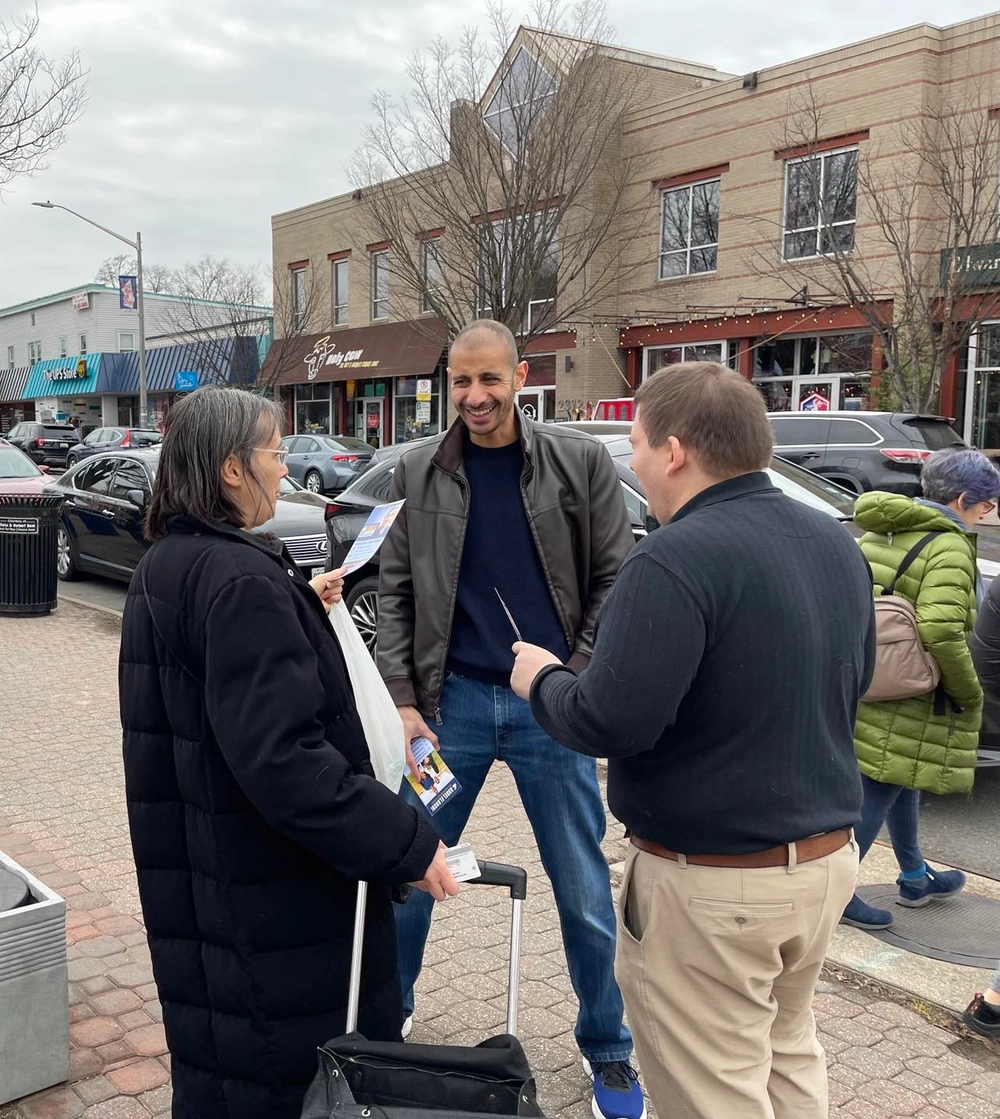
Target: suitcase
358 1079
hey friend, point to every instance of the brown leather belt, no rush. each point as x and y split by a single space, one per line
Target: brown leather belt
814 847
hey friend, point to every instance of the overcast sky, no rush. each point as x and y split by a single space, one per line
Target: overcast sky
207 116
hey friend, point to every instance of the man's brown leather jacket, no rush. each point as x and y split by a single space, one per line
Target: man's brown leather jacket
576 514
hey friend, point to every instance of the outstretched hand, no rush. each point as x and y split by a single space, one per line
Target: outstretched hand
529 661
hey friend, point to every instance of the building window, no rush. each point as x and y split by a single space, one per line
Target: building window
126 341
431 262
502 257
32 318
797 373
62 347
314 411
415 417
656 358
821 202
689 230
34 352
522 96
83 343
380 284
298 298
10 357
340 291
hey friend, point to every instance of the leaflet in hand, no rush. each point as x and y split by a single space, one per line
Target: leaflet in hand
435 783
370 538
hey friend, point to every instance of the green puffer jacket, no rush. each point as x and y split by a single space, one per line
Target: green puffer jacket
903 742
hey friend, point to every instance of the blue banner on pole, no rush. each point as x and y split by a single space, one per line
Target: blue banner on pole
128 293
185 380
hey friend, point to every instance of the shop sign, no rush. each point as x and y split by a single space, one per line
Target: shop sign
423 388
77 372
185 380
423 415
815 402
326 353
373 419
975 266
81 301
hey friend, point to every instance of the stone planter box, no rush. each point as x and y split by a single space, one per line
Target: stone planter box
34 992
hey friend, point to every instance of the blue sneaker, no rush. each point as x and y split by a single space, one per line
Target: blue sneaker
860 915
617 1094
934 884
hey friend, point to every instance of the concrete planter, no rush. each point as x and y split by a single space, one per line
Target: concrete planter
34 1010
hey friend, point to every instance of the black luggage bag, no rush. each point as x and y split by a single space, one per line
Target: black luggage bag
360 1079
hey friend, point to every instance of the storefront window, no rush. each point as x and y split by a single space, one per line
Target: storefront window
314 409
416 418
659 357
816 373
986 399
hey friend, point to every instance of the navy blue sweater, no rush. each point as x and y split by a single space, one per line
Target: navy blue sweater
724 684
499 553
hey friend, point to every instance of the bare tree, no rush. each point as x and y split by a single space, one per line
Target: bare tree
894 236
297 315
158 278
40 98
121 264
499 183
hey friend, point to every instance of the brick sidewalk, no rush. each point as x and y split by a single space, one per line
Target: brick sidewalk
62 814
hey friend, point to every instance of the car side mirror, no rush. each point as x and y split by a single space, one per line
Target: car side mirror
137 497
43 468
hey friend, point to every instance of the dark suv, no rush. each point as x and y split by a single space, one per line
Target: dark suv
44 442
863 450
113 439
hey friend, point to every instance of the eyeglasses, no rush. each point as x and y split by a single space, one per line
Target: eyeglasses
281 452
988 507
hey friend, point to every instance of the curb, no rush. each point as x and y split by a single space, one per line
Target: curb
89 605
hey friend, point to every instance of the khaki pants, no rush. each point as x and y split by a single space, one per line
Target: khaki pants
717 967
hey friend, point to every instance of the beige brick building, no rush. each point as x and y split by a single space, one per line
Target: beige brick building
720 252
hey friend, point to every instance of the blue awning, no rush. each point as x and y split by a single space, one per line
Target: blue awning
216 361
61 376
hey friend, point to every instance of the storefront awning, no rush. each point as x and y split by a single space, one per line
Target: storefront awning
12 382
364 352
64 376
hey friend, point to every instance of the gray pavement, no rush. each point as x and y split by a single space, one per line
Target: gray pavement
62 808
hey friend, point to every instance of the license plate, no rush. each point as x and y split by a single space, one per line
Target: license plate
314 571
62 446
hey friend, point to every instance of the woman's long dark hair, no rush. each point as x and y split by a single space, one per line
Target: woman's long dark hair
200 433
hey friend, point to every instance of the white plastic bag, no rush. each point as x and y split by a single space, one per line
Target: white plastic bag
379 717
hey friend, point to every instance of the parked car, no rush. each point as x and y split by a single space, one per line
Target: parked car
863 451
347 515
104 503
18 474
112 439
326 463
46 443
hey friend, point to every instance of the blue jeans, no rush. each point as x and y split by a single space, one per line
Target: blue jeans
900 809
481 724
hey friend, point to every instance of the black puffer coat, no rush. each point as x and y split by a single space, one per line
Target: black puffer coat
253 813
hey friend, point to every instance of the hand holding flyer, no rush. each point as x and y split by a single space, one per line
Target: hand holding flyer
370 538
435 783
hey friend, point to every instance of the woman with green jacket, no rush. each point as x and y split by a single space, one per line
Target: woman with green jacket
927 742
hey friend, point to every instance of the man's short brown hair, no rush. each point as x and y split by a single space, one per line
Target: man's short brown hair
712 412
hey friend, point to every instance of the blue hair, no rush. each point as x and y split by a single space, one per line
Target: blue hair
949 474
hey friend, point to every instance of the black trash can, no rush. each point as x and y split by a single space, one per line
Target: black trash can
29 523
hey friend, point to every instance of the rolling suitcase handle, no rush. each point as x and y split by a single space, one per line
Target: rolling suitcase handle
513 878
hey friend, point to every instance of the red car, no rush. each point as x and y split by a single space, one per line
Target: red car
18 474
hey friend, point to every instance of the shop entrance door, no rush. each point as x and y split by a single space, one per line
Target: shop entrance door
538 403
370 420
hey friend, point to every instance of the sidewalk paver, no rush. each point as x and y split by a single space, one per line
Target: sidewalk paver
62 812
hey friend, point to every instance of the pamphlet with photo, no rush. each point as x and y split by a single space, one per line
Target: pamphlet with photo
435 783
370 538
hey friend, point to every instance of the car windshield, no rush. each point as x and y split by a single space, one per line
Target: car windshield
15 465
935 434
811 489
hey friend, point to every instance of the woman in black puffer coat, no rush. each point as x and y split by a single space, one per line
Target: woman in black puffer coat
252 804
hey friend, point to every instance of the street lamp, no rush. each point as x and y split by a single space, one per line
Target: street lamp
137 245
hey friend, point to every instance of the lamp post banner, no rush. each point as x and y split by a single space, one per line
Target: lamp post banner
128 293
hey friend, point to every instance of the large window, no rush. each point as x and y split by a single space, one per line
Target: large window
821 202
314 408
828 371
502 276
416 415
659 357
431 265
522 96
689 230
298 297
380 284
340 291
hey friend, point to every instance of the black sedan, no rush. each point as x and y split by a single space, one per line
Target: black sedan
104 503
349 512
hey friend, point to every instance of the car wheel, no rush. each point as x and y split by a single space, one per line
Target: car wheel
362 604
66 568
314 482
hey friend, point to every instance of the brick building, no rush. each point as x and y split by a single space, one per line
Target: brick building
720 248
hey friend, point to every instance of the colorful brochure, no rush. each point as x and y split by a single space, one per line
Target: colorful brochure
435 783
370 538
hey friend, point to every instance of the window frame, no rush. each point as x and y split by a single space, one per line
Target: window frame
690 248
11 358
34 352
126 334
63 347
341 299
429 250
501 103
83 344
298 282
821 226
379 266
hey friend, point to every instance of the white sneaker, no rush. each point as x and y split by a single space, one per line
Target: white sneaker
407 1026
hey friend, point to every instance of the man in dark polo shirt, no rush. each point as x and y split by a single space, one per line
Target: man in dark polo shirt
724 683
